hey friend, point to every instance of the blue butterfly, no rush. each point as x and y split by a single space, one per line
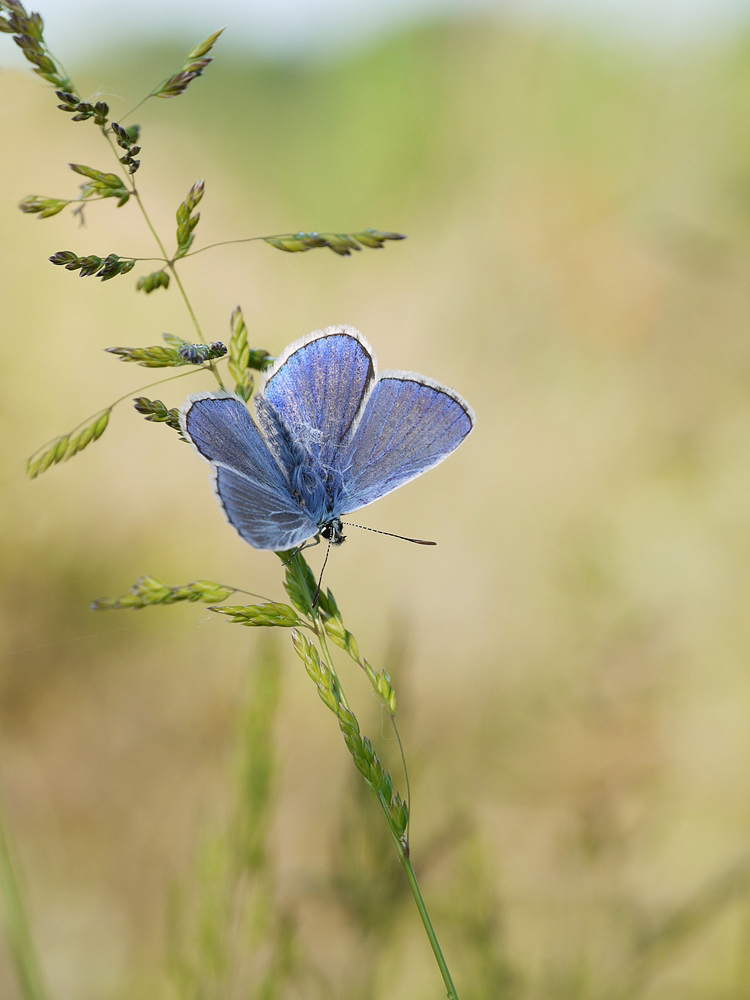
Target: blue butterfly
331 436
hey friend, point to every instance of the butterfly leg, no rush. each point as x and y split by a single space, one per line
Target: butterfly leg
310 543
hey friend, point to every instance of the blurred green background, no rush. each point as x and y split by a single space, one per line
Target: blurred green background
571 660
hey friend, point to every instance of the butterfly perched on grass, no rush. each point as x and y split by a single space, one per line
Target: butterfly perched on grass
331 436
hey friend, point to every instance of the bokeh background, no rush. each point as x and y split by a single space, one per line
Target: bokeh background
571 661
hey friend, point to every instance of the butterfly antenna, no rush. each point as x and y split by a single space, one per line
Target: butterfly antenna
320 578
417 541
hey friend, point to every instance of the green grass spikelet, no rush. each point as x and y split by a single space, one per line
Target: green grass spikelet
150 282
192 68
258 615
147 591
340 243
64 447
156 356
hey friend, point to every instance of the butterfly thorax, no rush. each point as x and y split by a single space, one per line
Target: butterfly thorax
317 492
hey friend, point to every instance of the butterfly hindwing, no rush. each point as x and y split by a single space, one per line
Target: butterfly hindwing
249 484
258 515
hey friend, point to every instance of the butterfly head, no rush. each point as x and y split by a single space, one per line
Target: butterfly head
332 531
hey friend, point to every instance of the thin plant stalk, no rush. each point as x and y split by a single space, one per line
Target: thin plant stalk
17 928
429 929
400 840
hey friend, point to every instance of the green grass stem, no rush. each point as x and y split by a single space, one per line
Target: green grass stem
421 906
18 932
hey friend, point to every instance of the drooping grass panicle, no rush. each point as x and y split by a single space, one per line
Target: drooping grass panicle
300 585
380 681
28 34
325 620
324 679
343 638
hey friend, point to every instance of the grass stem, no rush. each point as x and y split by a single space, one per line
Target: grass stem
20 942
429 929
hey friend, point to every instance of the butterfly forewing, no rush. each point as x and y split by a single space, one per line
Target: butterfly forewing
409 424
318 388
